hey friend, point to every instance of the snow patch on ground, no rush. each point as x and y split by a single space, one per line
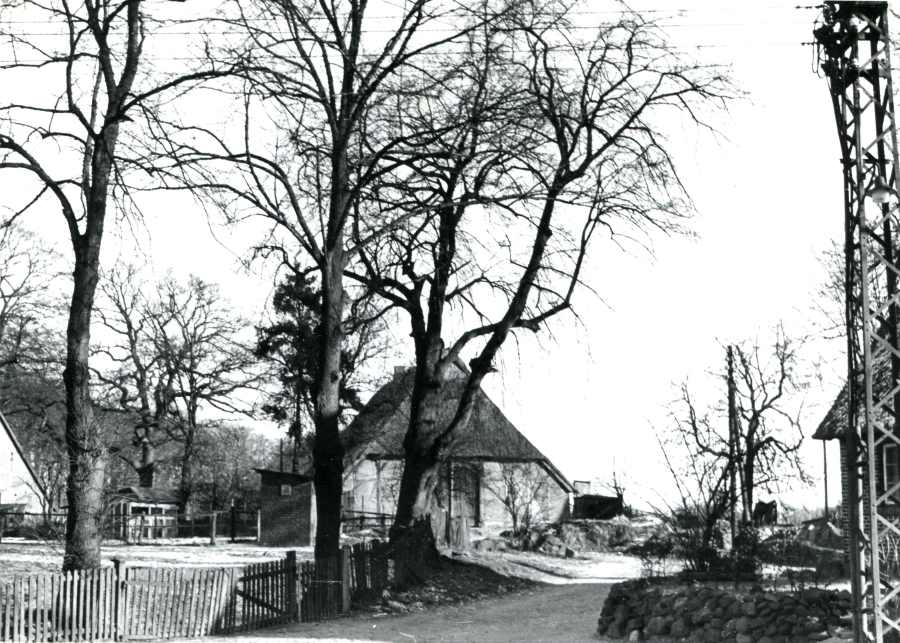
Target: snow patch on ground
21 556
585 567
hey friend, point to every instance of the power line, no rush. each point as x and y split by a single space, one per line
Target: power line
571 13
458 53
368 31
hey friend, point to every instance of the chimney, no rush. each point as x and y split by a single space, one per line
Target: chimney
145 475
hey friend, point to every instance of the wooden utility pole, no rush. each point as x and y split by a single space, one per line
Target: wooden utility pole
732 439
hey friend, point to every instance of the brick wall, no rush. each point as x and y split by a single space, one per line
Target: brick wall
845 500
289 520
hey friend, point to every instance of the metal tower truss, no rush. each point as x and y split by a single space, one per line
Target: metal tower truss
854 54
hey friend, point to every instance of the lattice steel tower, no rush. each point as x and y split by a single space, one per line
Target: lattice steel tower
854 54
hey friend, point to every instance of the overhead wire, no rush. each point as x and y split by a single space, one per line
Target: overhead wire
683 47
570 13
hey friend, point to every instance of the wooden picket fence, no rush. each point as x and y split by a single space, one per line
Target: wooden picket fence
136 603
370 566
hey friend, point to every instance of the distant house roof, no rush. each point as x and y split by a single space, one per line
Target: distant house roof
379 429
18 447
149 495
834 425
285 477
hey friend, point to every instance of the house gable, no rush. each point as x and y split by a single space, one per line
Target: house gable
378 431
18 482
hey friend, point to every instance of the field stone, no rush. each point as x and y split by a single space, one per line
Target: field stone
818 636
679 629
634 624
622 613
702 616
742 625
635 636
615 630
758 623
748 608
711 636
744 638
765 639
658 625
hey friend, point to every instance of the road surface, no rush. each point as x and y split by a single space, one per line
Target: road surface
555 613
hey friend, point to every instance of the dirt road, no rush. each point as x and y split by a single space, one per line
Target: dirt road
557 613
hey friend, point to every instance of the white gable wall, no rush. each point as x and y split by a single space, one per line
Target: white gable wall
16 483
372 486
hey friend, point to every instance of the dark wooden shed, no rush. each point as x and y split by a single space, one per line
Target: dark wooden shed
598 507
287 509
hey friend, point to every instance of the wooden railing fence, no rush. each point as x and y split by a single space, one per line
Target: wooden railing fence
122 602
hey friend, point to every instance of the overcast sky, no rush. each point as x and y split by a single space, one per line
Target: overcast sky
768 194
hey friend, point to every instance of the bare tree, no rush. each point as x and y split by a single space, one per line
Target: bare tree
701 482
27 268
171 357
208 366
309 153
226 456
519 486
770 386
545 139
135 381
31 392
64 138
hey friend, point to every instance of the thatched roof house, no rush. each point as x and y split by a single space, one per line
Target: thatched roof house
488 445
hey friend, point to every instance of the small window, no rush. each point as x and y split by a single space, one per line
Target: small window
891 467
285 490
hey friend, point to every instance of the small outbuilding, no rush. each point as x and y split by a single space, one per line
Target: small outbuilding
287 509
146 513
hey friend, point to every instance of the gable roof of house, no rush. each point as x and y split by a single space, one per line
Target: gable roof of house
834 425
18 448
379 429
149 495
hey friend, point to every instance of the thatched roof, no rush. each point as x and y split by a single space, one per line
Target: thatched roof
378 431
834 425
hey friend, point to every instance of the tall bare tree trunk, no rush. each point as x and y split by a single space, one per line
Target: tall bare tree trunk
84 443
186 484
328 453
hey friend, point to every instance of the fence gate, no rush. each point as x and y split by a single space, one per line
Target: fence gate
266 594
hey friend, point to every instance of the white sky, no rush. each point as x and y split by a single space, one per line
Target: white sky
769 200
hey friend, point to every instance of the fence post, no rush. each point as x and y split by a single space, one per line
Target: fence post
120 566
2 525
258 524
212 528
345 579
293 606
233 525
141 532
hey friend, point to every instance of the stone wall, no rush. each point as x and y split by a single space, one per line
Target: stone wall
701 614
